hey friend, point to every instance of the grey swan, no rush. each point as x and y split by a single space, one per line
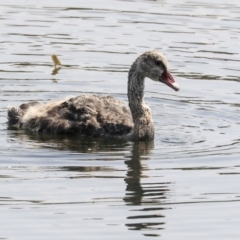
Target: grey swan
100 115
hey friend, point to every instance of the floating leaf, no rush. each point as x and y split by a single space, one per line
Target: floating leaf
56 61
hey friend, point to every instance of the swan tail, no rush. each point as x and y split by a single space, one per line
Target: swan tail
14 116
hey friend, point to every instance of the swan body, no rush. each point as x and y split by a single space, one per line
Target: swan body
100 115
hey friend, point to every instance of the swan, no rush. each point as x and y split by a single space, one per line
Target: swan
100 115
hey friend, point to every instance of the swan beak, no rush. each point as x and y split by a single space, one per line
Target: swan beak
168 79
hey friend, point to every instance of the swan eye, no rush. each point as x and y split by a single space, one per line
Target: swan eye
159 63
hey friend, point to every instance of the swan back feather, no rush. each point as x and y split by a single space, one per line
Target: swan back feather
92 115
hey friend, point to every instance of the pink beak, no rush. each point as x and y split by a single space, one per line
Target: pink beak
168 79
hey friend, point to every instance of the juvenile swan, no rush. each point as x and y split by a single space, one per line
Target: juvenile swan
100 115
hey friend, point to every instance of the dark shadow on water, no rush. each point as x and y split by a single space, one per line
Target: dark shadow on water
80 144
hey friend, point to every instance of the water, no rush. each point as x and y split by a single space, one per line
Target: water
185 184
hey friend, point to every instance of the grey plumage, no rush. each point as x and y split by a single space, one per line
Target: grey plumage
99 115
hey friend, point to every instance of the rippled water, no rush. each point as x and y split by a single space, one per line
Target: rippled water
185 184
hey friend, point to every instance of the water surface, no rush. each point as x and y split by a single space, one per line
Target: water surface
185 184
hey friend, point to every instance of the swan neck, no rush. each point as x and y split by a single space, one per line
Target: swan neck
141 114
135 88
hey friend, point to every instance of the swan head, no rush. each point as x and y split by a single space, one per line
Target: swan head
154 65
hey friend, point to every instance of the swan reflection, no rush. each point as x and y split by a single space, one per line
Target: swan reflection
140 190
147 194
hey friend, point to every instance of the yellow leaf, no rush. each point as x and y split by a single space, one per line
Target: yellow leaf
56 61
